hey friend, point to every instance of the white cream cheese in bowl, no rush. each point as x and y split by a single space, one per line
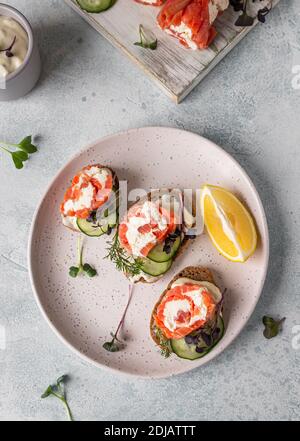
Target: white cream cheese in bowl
13 45
20 64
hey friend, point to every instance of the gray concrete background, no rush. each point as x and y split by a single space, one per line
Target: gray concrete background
88 90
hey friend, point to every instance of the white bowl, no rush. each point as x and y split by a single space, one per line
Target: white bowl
23 80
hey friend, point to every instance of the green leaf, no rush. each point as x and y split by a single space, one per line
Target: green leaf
27 146
57 390
60 385
147 39
90 271
22 156
145 45
111 346
18 162
47 392
272 327
74 271
61 379
153 45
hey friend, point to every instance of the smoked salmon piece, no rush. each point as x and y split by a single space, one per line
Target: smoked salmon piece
148 227
191 21
99 193
185 319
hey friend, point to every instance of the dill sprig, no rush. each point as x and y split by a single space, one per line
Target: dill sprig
125 263
164 343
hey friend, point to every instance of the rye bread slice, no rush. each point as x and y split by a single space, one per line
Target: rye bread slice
185 242
191 272
115 184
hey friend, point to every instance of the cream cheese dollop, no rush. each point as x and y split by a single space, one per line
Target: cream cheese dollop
172 308
11 30
213 289
86 195
149 213
185 34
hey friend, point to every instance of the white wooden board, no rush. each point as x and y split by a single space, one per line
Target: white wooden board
176 69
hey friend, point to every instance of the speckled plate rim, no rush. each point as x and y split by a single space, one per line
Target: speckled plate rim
264 233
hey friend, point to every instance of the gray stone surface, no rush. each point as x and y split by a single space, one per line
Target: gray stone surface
88 90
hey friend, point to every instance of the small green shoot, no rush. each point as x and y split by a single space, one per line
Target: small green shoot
85 268
21 152
58 390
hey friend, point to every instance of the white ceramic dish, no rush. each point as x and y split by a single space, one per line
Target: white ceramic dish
23 80
84 311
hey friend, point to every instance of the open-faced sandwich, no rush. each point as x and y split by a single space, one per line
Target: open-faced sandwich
187 320
90 204
151 235
191 21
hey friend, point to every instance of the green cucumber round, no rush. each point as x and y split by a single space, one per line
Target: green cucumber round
188 351
91 229
183 350
108 221
95 6
97 229
155 268
157 254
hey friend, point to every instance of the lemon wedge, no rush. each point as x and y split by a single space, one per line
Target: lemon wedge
228 223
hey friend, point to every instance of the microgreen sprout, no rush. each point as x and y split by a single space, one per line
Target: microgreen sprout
112 346
85 268
20 152
58 390
147 39
272 326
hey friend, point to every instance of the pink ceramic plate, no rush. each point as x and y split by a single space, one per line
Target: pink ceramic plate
84 311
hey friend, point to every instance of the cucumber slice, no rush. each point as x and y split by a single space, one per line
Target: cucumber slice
183 350
109 221
95 5
91 229
188 351
97 229
157 254
155 268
